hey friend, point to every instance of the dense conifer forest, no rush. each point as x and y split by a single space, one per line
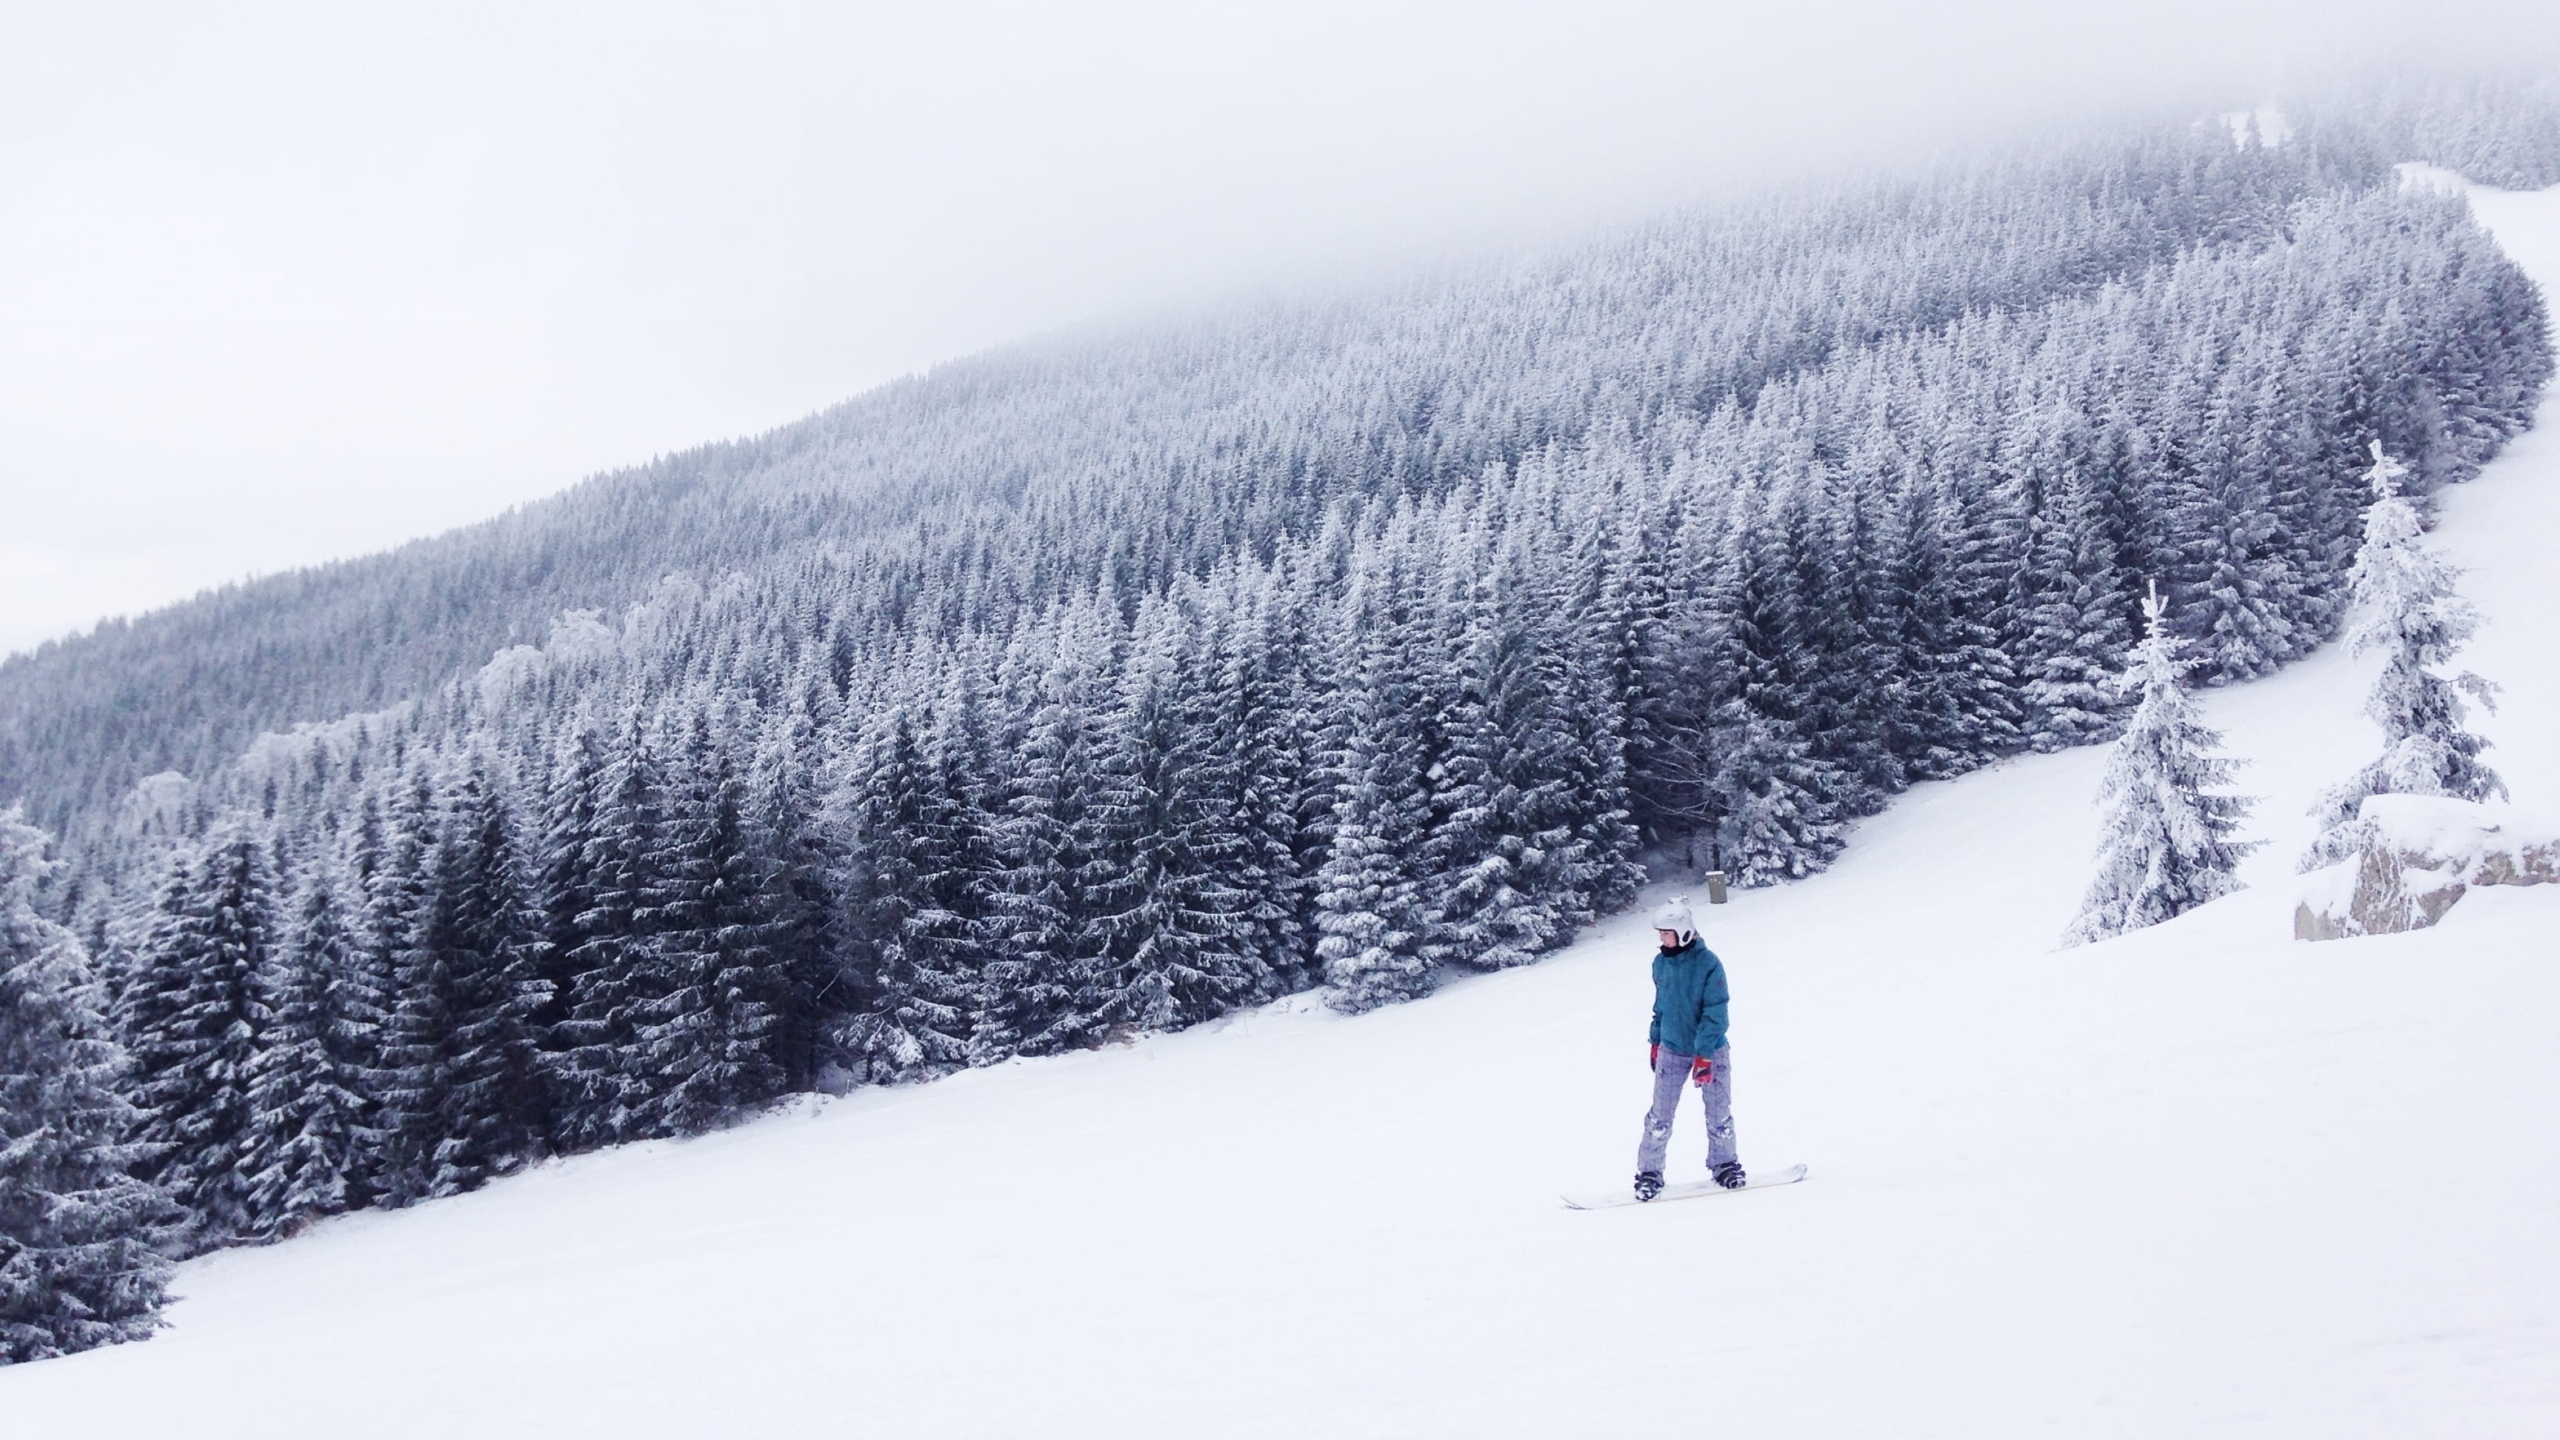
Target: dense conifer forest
1113 683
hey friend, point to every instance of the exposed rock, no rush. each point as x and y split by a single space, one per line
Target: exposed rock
2416 855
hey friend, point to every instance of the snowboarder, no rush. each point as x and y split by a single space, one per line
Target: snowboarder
1688 1043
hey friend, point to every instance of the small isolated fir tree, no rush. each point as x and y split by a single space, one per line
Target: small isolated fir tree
2166 845
80 1263
2402 596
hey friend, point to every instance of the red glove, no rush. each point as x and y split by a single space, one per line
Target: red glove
1702 1072
1652 1059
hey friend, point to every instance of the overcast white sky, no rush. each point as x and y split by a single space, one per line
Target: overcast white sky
284 283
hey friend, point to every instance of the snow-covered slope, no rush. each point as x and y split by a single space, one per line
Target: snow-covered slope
2199 1179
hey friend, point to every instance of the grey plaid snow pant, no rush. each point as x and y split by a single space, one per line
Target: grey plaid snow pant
1670 1072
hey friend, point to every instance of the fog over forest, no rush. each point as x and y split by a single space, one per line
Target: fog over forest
294 283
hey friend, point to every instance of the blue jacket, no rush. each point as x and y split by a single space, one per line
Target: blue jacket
1689 1000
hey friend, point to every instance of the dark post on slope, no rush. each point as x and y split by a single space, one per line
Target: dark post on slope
1715 887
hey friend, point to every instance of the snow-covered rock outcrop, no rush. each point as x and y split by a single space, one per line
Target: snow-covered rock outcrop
2415 856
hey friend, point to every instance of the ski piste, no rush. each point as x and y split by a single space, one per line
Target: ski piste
1685 1190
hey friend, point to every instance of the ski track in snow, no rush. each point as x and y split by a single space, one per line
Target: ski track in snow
2202 1178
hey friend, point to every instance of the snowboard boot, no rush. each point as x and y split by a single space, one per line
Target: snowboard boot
1648 1184
1728 1174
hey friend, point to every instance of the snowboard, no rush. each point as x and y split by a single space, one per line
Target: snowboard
1685 1190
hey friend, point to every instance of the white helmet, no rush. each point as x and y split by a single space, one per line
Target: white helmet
1675 918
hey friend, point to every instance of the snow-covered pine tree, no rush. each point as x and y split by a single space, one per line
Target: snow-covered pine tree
1370 904
2235 583
1028 985
956 827
1954 577
203 962
2164 844
600 1063
905 1023
708 1035
146 994
792 855
389 862
1494 861
751 979
458 1081
1627 619
80 1237
1307 582
2401 593
492 1120
2072 631
1246 692
667 1079
1584 784
306 1098
415 1061
1779 815
1984 535
1679 789
1837 549
1924 726
1165 923
563 893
